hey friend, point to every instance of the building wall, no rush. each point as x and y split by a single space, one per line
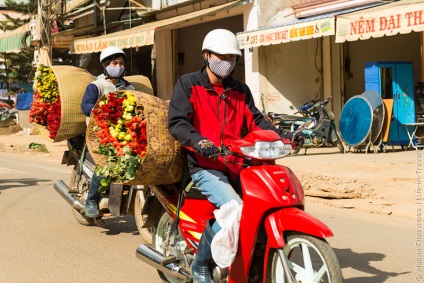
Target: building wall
336 79
271 12
187 38
190 40
163 64
291 74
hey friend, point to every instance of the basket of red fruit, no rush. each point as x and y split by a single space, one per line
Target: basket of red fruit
56 107
128 138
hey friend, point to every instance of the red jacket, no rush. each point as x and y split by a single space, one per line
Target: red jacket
197 111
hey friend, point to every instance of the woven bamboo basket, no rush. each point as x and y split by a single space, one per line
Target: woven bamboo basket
164 159
72 82
141 83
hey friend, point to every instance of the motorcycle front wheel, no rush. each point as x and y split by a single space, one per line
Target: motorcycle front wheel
310 260
72 183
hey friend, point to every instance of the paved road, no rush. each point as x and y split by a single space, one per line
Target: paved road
371 248
41 242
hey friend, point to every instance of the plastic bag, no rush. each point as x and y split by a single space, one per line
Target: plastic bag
225 243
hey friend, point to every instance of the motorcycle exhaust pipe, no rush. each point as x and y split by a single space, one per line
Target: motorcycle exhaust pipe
63 190
155 259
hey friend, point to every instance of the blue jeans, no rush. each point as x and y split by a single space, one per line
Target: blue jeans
217 188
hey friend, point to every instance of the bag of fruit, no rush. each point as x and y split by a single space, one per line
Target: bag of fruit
128 138
56 107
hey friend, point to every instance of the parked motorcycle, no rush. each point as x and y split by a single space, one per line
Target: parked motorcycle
117 200
316 124
8 117
279 241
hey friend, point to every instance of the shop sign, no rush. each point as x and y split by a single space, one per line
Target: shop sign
400 18
287 33
3 85
123 40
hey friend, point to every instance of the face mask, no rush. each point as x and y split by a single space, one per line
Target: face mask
115 72
221 68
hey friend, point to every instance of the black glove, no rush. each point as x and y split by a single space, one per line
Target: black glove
296 137
205 148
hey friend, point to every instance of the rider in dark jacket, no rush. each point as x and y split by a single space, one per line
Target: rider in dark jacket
209 108
198 111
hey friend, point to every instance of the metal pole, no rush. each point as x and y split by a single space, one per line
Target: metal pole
131 57
46 28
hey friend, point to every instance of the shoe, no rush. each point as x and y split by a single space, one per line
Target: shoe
91 202
91 209
200 266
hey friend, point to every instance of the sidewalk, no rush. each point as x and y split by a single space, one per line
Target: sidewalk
383 183
18 143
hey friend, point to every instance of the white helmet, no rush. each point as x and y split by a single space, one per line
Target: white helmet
111 50
221 41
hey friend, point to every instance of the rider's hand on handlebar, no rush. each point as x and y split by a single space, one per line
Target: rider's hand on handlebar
205 148
296 137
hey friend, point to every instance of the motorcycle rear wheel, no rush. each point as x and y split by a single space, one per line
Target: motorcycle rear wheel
161 228
78 216
310 260
145 233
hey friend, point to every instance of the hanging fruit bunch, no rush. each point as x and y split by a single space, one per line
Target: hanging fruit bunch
121 133
45 109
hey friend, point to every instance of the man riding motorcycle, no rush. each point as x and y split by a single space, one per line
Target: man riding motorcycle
208 108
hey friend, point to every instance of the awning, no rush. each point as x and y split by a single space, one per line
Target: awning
140 35
390 19
11 41
304 29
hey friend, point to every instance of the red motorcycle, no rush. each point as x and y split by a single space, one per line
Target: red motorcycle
278 242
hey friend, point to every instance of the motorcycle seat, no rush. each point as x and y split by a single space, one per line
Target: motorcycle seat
191 191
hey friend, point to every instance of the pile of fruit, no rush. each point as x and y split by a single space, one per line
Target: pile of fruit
45 109
121 134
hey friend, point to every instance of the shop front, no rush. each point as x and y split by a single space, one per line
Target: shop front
292 62
382 52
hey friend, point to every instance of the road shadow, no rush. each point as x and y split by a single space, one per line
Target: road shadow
320 151
311 153
362 262
121 224
16 183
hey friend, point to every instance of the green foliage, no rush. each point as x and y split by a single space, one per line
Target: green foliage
37 147
119 169
27 7
16 67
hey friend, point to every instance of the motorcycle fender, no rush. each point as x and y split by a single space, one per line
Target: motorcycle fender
131 200
65 157
152 206
69 158
115 199
293 219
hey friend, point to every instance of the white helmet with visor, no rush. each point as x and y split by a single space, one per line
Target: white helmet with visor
110 51
221 41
